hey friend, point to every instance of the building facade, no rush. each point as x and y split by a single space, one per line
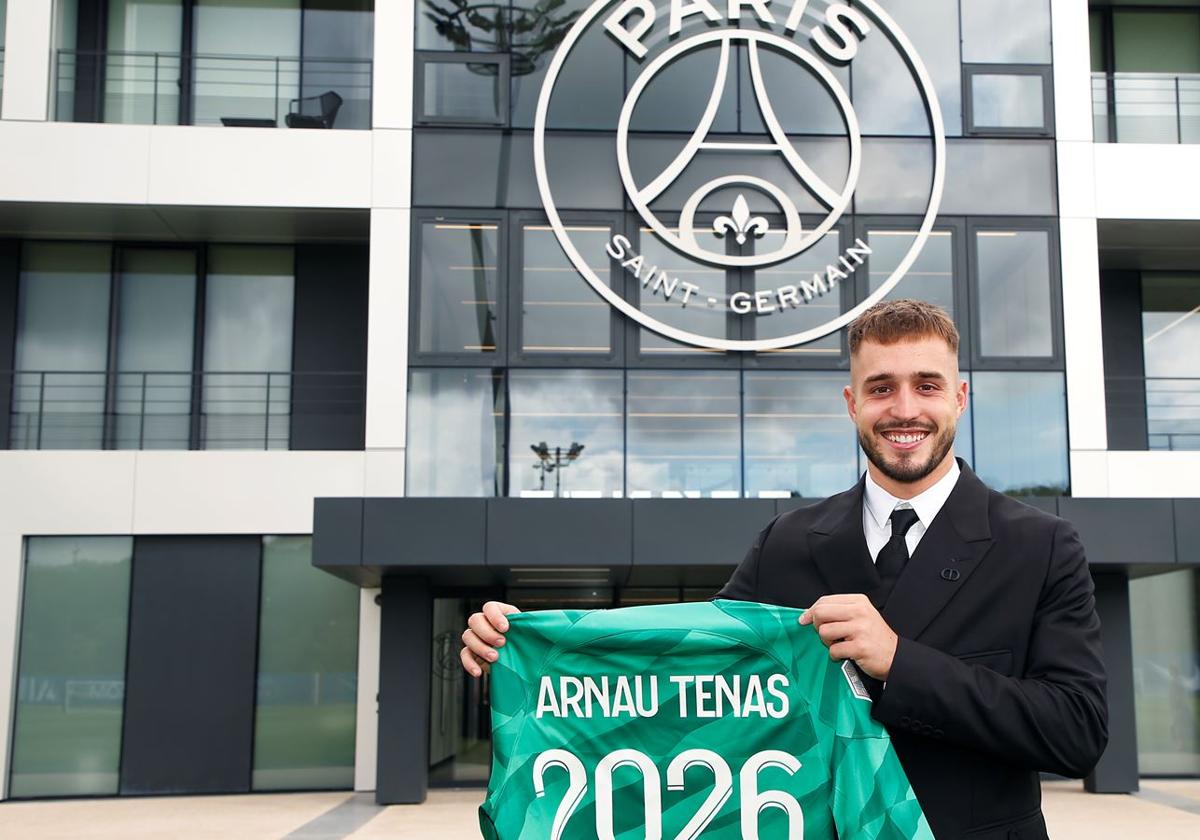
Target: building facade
324 321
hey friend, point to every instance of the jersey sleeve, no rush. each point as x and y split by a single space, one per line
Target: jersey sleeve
872 799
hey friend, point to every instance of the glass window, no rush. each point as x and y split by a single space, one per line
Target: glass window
1162 611
931 276
246 64
560 313
796 95
1156 41
71 676
676 98
815 266
682 432
964 435
799 440
1170 335
1006 31
1007 101
142 72
587 93
155 336
459 715
1020 432
998 177
305 706
706 312
339 43
886 96
1097 23
248 347
469 27
1013 290
455 432
464 91
459 288
565 433
62 346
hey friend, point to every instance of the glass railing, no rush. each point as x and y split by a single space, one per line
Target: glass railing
172 410
1146 107
149 88
1173 413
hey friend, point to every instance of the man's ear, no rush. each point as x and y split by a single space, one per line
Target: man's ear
962 396
851 407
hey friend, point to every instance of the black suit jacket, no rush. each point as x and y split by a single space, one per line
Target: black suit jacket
998 671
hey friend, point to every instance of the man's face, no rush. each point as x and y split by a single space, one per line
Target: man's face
905 399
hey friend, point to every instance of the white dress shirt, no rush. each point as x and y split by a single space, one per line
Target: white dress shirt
878 505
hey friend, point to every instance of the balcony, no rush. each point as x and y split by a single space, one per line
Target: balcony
152 88
1146 107
182 410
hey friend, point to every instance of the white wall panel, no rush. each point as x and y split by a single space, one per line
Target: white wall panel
11 545
392 99
1072 70
27 52
1087 419
387 330
391 168
74 162
1147 181
67 492
366 733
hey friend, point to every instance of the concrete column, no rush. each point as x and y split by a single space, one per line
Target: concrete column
28 51
405 664
392 96
1117 771
366 734
387 330
11 555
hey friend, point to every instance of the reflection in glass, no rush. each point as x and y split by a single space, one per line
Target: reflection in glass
931 276
676 98
455 432
1007 101
1021 432
462 25
562 409
459 288
460 744
706 310
560 313
1163 613
886 97
154 348
796 95
463 91
682 432
305 704
811 267
62 346
248 347
1014 293
1170 335
1000 177
71 680
1006 31
799 441
587 93
339 43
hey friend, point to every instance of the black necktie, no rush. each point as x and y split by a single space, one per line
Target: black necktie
893 556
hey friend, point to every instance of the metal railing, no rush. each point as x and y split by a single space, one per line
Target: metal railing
173 409
1155 412
1146 107
153 88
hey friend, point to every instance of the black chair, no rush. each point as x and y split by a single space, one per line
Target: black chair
327 103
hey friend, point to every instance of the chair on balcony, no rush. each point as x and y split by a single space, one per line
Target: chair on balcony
301 111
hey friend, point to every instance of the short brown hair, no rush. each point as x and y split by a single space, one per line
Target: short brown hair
890 321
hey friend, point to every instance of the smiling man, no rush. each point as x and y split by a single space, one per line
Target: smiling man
971 614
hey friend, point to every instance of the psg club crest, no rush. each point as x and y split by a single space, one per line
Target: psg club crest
705 197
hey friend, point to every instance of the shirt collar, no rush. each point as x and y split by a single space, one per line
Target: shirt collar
880 503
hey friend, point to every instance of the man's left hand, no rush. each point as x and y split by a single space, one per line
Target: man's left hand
852 628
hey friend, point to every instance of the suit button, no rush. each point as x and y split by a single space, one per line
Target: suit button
937 733
927 729
904 720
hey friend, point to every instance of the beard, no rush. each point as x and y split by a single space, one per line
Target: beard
908 469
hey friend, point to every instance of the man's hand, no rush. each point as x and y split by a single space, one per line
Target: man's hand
485 632
852 628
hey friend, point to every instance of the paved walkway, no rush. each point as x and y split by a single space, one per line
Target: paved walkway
1163 810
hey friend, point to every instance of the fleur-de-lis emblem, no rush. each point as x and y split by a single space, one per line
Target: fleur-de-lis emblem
741 223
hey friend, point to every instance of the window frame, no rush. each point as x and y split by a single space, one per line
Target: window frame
1056 361
1044 71
432 358
422 59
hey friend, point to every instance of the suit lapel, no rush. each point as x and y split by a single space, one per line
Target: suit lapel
948 554
838 547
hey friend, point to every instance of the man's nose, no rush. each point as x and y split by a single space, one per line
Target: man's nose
904 406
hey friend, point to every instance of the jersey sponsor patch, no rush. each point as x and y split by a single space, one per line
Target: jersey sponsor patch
856 684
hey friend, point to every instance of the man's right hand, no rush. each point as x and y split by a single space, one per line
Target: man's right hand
485 632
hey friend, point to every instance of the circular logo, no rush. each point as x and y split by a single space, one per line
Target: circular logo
834 41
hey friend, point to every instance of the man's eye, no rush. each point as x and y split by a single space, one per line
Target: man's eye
880 389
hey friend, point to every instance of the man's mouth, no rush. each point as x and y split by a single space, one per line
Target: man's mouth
905 439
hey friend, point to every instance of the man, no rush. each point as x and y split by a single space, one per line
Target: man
971 614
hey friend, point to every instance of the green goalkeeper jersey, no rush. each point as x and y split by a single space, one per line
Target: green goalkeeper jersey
713 720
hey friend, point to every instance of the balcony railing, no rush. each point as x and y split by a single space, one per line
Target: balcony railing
151 88
178 410
1146 107
1154 412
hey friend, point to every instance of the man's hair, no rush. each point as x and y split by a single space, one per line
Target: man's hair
892 321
